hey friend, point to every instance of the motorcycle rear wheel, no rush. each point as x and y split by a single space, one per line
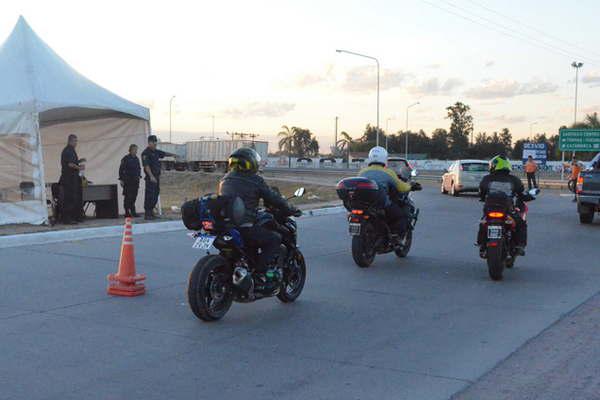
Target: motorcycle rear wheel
496 262
363 252
209 292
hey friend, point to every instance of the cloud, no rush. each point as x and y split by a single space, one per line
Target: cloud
489 64
433 87
364 78
510 119
591 77
260 109
316 78
494 89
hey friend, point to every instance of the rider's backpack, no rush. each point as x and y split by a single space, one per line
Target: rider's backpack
221 210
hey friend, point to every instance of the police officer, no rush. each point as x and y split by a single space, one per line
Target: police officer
151 161
70 182
130 173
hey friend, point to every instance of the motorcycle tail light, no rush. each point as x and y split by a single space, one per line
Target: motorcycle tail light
207 225
358 212
496 214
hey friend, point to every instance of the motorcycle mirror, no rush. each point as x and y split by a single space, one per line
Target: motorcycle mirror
534 192
299 192
413 173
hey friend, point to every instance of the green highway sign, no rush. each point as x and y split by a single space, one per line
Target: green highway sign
579 140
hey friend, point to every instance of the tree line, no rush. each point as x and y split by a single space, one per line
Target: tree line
459 141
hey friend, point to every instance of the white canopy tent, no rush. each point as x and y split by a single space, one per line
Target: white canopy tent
42 101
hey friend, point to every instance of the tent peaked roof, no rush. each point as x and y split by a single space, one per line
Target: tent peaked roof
34 78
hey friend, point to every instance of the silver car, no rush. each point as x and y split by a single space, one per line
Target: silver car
464 176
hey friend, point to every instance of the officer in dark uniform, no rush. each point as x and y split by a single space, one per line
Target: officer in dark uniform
130 173
151 161
70 183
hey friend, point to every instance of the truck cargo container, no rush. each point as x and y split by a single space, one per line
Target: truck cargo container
177 163
210 155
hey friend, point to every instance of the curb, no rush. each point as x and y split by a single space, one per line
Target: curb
68 235
28 239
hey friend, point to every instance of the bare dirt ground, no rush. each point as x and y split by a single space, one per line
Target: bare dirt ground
178 187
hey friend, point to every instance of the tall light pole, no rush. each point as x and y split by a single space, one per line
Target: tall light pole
386 131
531 128
406 133
576 65
335 140
170 119
376 61
213 126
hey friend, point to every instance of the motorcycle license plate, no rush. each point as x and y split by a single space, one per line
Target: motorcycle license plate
354 229
203 242
494 232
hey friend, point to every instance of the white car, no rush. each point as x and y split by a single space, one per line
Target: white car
464 176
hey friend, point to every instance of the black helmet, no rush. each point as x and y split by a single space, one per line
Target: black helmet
244 159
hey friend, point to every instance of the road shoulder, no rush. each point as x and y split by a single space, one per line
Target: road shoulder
560 363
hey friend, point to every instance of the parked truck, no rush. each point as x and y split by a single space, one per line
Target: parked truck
177 163
212 154
588 192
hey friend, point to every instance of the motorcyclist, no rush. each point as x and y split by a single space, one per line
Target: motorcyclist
243 181
501 180
388 182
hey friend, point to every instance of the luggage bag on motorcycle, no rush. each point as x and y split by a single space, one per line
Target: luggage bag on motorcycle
495 201
211 207
357 192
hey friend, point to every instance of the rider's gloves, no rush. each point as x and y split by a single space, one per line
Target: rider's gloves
295 212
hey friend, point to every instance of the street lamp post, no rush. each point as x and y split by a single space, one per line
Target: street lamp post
376 61
386 132
531 128
406 133
170 119
576 65
213 126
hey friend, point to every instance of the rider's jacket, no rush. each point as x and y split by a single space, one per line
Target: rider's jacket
386 179
251 188
501 181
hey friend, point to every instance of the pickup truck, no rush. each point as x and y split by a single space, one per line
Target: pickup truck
588 192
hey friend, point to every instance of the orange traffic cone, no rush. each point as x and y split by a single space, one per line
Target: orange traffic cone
125 282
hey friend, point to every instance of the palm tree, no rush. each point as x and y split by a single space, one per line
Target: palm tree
286 142
591 120
344 145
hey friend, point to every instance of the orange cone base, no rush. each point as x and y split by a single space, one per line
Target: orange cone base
129 288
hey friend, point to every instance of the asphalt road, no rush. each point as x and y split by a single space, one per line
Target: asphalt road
424 327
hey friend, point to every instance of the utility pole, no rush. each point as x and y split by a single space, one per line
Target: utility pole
335 140
170 119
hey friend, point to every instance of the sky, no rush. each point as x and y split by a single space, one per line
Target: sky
258 65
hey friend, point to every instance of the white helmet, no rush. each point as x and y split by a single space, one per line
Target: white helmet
378 155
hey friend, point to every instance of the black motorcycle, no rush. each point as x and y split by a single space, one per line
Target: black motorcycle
499 227
370 232
219 279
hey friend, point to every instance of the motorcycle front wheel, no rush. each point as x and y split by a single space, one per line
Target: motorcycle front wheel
293 280
363 252
209 288
404 247
496 262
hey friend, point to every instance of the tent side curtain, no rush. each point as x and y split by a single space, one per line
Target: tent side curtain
22 189
102 142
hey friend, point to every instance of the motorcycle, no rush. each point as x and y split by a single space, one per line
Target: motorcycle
499 228
371 235
217 280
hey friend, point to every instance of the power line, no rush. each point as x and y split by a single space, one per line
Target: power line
507 31
533 28
524 35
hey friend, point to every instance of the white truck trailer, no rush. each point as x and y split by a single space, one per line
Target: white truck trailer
212 154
